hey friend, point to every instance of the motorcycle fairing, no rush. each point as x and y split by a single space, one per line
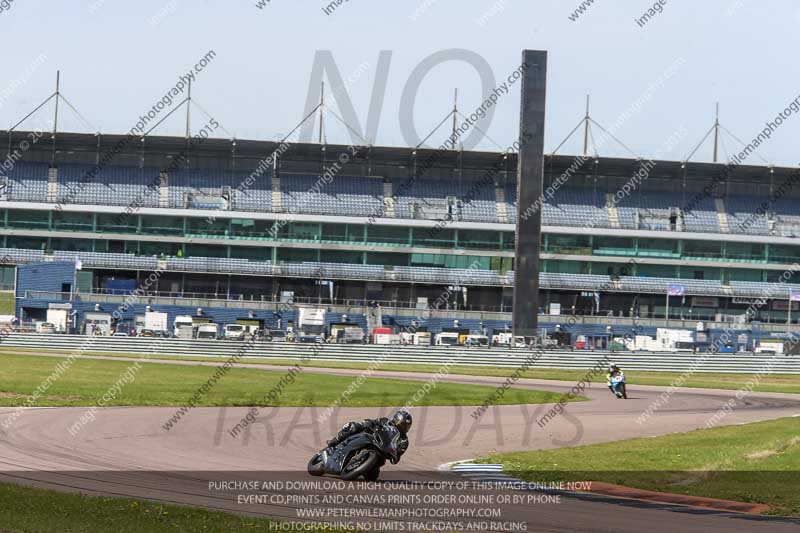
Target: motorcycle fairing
388 437
334 462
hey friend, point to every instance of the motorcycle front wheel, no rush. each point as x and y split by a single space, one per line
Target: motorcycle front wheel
373 474
361 463
315 465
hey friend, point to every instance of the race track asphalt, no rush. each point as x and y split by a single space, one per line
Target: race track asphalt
128 452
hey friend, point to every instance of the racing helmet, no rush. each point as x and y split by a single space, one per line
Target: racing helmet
402 421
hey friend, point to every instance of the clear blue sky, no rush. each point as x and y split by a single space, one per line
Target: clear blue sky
116 64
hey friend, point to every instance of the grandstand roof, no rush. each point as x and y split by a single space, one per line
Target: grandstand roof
84 148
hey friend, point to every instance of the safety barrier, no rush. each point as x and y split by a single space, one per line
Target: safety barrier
412 355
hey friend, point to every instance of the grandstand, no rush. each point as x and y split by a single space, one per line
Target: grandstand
393 225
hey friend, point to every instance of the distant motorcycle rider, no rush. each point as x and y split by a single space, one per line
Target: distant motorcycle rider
401 420
613 371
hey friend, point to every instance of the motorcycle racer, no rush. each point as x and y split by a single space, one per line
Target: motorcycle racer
401 420
613 371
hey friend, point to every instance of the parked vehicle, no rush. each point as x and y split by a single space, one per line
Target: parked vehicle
562 339
791 348
447 339
155 321
503 338
685 347
275 335
310 339
384 335
234 332
311 325
719 347
45 327
546 342
208 331
252 330
417 338
386 339
422 338
97 324
58 318
477 341
7 322
352 335
182 323
580 342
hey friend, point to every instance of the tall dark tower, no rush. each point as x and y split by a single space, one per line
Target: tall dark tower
530 184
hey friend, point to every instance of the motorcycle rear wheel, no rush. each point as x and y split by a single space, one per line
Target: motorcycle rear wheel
362 463
315 466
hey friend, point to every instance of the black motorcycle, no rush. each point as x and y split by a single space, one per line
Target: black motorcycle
359 455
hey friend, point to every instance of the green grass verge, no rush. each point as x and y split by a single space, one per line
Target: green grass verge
757 463
87 380
7 303
29 510
775 383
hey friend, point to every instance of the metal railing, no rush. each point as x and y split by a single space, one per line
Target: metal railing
407 355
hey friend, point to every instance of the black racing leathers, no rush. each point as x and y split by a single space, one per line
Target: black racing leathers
369 425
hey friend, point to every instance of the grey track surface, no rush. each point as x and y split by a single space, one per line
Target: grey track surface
39 446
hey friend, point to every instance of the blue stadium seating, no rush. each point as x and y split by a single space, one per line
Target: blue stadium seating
112 185
252 193
27 182
423 198
337 195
